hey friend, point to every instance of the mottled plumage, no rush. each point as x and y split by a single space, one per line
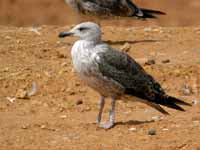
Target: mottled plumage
113 73
125 8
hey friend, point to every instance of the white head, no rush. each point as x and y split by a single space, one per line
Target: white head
88 31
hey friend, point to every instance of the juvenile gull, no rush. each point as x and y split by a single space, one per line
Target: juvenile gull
124 8
113 73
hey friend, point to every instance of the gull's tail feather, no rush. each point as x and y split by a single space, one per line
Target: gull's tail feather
170 102
177 101
143 12
154 99
150 13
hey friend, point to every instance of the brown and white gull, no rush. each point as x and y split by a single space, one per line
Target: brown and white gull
114 74
124 8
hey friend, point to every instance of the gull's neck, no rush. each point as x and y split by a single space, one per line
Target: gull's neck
91 42
92 38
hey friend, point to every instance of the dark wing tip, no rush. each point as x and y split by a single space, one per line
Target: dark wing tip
149 13
174 106
172 102
177 101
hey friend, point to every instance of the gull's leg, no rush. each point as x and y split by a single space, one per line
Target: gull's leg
101 106
112 111
111 122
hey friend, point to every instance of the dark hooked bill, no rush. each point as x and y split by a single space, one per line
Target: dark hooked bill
64 34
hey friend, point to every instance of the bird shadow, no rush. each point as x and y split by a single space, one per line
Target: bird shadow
130 42
126 123
133 122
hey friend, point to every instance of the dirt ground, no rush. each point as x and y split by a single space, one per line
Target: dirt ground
54 119
44 105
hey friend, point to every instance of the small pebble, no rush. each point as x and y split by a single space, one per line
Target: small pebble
8 37
132 129
79 102
42 126
35 30
156 30
152 132
70 91
61 54
22 94
85 109
61 109
77 84
11 99
5 69
63 116
33 90
62 71
25 126
165 129
195 102
126 47
156 118
177 72
165 61
150 62
88 108
196 123
64 64
48 74
58 42
147 29
187 90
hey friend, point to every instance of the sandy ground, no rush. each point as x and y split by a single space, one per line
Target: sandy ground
54 118
61 113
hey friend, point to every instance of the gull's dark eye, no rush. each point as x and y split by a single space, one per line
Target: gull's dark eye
82 28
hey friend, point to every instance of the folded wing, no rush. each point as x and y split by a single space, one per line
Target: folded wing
112 8
121 68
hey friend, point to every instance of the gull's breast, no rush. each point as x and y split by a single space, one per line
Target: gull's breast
85 65
81 57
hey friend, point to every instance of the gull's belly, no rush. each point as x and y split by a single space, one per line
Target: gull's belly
105 87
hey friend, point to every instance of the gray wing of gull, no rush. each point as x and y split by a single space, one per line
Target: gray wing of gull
108 7
125 8
118 67
121 68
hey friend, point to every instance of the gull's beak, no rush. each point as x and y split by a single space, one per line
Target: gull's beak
64 34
